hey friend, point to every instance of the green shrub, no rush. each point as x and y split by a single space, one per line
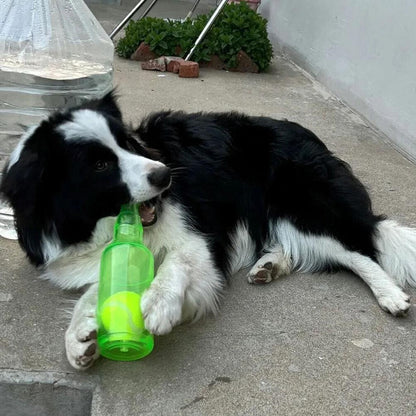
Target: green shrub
237 27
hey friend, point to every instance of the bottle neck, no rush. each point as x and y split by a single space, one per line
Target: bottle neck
128 226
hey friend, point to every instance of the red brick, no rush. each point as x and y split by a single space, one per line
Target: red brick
188 69
158 64
215 63
173 63
245 63
143 53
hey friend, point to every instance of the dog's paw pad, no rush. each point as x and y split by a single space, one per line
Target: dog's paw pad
91 350
90 336
269 267
86 359
82 355
81 344
260 276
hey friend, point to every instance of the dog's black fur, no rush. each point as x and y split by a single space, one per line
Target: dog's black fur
256 169
227 168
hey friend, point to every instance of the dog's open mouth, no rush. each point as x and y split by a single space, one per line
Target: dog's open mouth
147 211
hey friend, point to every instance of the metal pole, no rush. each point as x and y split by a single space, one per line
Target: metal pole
126 19
148 9
188 16
207 28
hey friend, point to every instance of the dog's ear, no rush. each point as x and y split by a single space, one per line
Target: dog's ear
23 186
108 105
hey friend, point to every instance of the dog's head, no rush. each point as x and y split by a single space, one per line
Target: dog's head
73 169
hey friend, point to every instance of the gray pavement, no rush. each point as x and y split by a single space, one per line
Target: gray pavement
303 345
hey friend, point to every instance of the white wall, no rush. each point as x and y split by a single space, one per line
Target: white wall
362 50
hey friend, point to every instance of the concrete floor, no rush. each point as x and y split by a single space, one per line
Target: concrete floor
303 345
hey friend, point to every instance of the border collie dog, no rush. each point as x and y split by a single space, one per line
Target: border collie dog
218 193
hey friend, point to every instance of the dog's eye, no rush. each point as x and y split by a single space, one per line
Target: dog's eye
100 165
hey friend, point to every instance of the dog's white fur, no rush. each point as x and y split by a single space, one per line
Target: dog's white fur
91 125
242 249
396 247
15 155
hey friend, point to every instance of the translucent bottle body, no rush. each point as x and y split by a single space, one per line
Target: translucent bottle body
52 54
127 269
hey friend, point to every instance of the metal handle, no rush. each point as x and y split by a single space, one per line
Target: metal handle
126 19
206 28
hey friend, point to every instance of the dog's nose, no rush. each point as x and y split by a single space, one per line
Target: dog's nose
159 177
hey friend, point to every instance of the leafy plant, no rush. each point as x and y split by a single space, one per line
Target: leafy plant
237 28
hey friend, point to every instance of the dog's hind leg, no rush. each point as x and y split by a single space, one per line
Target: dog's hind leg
313 253
272 265
389 295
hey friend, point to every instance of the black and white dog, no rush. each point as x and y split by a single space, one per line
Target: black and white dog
219 192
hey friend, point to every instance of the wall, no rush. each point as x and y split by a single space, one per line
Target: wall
362 50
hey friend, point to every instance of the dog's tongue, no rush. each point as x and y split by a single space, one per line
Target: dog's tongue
147 213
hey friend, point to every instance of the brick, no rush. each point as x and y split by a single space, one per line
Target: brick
143 53
245 63
173 63
188 69
215 63
158 64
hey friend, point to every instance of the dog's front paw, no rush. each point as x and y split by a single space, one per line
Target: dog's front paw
161 310
81 343
395 302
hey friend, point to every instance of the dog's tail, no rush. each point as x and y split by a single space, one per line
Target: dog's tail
396 247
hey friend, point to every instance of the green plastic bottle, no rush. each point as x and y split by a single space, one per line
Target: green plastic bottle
127 269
